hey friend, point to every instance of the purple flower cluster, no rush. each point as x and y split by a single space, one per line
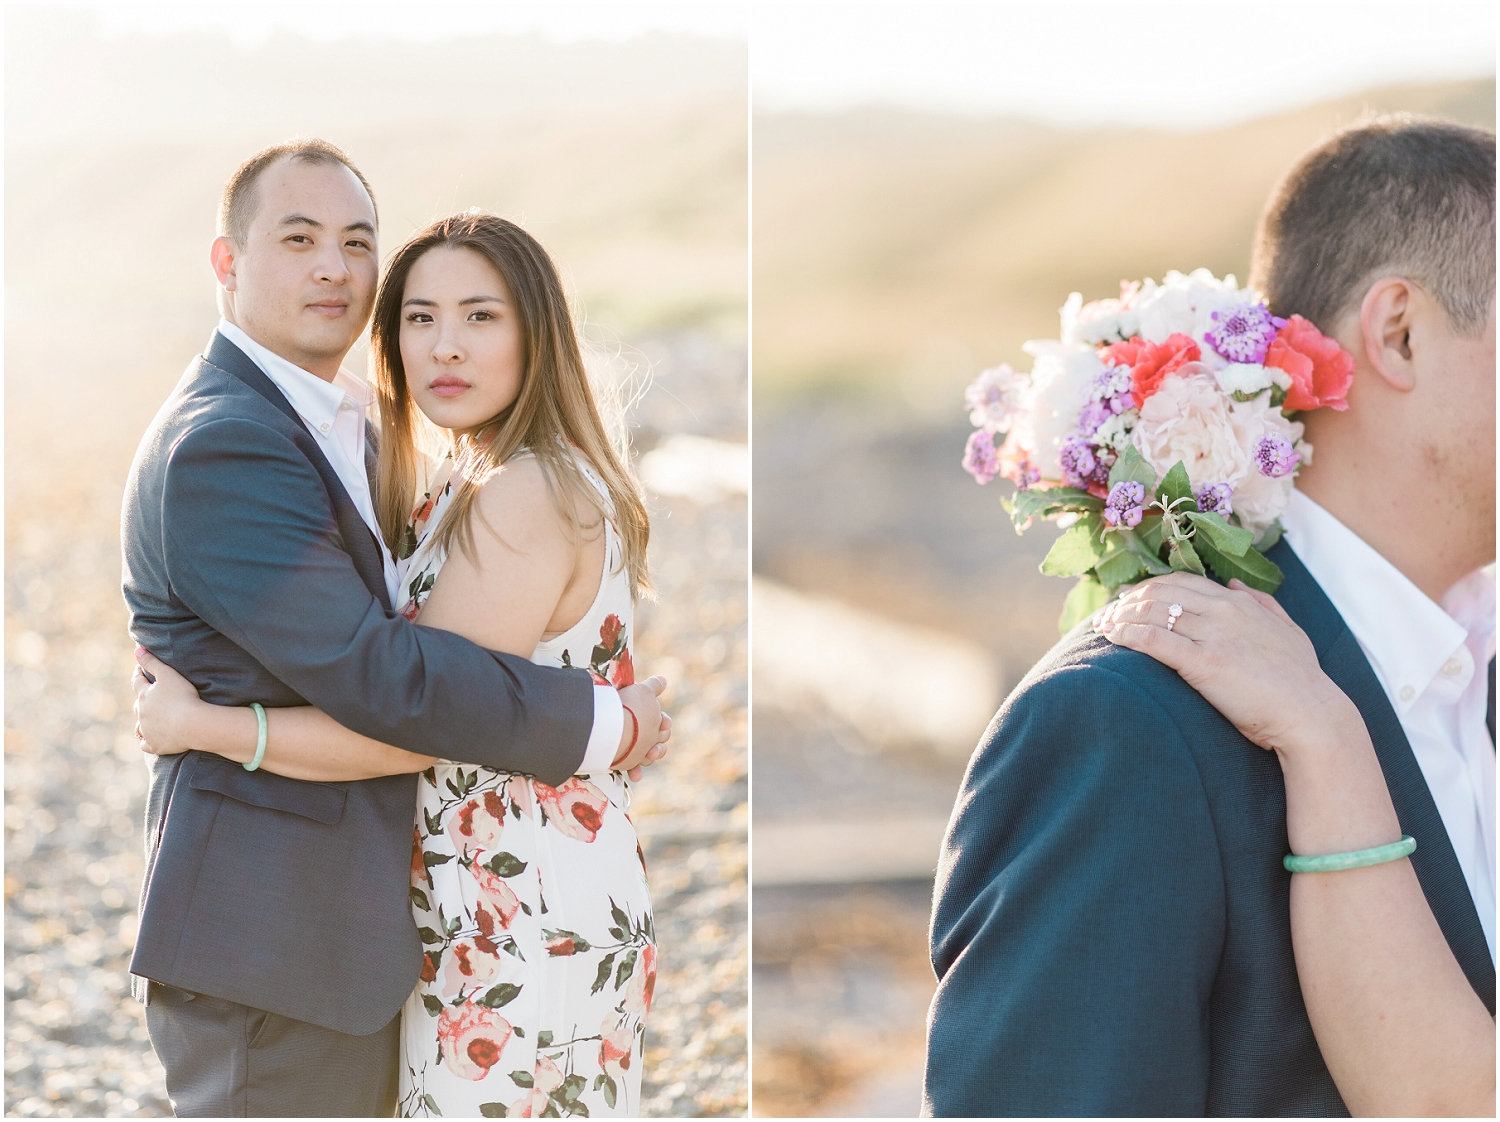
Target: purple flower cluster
1124 505
1109 393
1027 476
980 458
1244 332
1276 456
1213 498
1083 462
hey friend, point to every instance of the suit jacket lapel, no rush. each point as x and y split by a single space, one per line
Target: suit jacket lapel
1436 865
359 543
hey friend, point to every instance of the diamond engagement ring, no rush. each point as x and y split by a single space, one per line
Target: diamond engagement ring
1172 613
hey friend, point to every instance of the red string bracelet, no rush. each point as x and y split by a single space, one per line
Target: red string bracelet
635 734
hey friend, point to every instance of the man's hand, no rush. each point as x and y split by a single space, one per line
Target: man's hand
644 740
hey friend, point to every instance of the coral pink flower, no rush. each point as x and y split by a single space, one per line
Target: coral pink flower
615 1044
497 894
472 1038
576 808
476 825
1150 363
469 963
1320 369
642 984
623 672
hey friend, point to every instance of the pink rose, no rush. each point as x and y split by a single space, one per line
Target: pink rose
469 963
471 1038
623 671
615 1044
1321 371
576 808
561 946
497 894
476 825
545 1079
531 1106
641 986
1150 363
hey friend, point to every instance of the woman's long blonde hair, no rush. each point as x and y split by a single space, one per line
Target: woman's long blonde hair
553 413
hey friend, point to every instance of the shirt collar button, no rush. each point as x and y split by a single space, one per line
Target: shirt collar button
1453 667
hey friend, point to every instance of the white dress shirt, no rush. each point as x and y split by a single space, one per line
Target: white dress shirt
1432 661
335 413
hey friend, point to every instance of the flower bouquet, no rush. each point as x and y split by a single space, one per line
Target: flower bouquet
1159 430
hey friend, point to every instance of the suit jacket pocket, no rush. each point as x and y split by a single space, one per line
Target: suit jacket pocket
322 802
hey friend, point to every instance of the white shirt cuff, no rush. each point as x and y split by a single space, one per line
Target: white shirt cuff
609 722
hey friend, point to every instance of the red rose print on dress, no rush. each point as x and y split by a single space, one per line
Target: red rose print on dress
419 876
472 1038
476 825
609 632
469 963
623 673
615 1044
576 808
497 894
641 986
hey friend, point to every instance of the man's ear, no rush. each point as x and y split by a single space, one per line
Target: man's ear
221 256
1385 320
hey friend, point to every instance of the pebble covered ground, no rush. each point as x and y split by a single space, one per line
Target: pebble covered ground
76 1042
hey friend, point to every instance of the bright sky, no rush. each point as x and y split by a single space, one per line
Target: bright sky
251 23
1130 62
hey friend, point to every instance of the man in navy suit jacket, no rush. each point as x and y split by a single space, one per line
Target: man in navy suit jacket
1111 927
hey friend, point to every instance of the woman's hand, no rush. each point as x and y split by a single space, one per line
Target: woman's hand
1241 651
649 746
165 703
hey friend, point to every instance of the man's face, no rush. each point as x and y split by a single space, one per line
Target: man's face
1459 429
303 283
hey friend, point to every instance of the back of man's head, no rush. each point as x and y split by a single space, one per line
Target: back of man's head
238 202
1413 196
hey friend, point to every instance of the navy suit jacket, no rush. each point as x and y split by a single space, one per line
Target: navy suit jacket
248 569
1111 930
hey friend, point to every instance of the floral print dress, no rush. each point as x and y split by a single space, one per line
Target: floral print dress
532 906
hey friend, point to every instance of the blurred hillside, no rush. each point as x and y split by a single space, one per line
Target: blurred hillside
900 250
627 160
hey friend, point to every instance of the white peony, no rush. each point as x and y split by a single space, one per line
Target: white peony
1103 321
1060 382
1184 305
1214 436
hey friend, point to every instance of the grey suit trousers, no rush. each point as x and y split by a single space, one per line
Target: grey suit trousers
226 1060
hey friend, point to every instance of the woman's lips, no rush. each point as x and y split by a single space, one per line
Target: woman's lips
447 386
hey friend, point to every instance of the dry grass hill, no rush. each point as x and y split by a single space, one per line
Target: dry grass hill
896 249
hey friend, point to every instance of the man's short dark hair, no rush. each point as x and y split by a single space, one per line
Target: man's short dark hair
1398 194
237 205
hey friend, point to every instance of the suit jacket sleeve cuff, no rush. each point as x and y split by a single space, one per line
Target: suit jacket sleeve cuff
609 721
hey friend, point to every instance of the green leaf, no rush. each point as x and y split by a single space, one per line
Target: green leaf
1120 567
1149 534
519 1031
1184 558
505 865
626 968
522 1079
503 994
1254 568
609 1091
621 919
1132 467
432 1105
432 1004
430 859
572 1086
544 1039
419 898
1175 484
492 1110
603 975
428 935
434 822
599 1080
1078 550
1026 505
1087 597
1270 536
1225 538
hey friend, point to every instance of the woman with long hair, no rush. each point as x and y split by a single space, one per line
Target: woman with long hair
529 537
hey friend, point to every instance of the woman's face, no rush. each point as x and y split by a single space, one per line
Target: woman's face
460 338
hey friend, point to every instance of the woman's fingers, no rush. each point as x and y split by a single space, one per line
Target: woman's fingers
1167 647
656 684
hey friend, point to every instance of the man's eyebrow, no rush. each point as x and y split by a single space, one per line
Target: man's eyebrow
361 225
300 220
